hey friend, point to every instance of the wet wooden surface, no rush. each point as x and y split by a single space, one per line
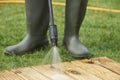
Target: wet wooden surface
101 68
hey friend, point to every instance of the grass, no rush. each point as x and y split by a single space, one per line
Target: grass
99 32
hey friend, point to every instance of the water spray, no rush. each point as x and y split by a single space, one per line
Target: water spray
52 57
52 27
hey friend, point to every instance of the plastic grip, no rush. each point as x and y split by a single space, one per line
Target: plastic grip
53 34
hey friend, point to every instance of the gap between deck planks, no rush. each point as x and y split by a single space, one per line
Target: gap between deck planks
101 68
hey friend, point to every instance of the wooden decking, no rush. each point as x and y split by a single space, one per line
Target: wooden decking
101 68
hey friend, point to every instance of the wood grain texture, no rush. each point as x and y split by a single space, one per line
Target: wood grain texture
101 68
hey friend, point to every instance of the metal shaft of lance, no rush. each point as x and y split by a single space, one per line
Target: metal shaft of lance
52 27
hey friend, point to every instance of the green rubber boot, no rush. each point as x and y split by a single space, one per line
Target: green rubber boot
37 25
75 13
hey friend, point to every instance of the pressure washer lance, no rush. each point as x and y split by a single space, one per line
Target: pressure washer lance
52 27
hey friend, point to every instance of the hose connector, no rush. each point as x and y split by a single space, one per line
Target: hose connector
53 34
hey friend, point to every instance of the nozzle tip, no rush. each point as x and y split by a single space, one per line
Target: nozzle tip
54 44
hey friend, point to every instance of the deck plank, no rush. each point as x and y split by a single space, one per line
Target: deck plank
30 74
9 75
50 72
101 68
78 73
97 70
108 63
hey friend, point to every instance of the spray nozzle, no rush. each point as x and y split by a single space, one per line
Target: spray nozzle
53 34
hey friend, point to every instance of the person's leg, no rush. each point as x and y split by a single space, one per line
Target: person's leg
37 25
75 13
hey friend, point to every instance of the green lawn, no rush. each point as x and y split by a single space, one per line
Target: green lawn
100 32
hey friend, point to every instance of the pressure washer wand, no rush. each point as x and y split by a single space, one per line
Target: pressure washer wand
53 27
